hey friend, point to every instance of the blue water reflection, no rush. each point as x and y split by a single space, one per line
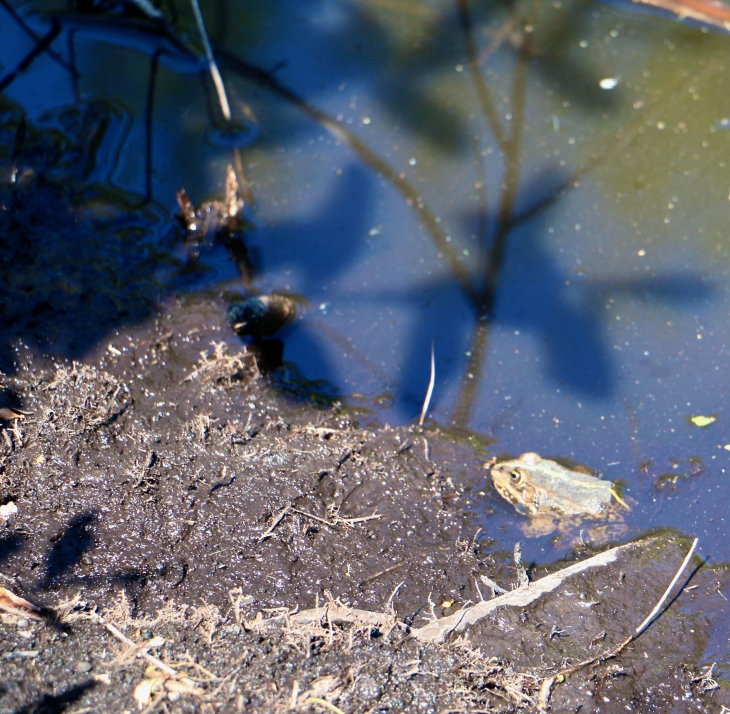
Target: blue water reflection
453 172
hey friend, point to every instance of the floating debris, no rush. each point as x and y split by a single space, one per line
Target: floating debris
703 421
262 315
220 219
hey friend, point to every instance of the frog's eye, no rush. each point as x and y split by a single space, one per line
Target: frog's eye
515 477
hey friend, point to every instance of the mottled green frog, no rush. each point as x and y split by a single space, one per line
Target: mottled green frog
554 496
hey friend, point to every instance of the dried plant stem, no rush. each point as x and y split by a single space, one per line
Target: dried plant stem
338 519
548 682
324 704
142 653
429 391
275 522
658 606
212 66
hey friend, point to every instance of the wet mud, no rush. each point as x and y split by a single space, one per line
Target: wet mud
177 510
184 496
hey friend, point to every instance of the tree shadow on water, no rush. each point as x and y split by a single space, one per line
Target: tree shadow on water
73 264
535 294
325 243
568 311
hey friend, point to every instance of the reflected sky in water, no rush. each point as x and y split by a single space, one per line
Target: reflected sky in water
539 189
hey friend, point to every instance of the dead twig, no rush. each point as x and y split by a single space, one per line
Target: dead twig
389 604
547 684
212 66
370 578
277 519
338 519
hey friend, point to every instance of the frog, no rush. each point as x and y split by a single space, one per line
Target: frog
555 497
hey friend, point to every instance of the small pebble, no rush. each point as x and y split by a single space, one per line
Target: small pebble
83 667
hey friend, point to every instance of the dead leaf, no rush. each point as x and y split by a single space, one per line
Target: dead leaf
182 687
703 421
711 12
8 414
7 510
17 605
143 692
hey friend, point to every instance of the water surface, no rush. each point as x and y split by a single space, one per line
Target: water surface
539 190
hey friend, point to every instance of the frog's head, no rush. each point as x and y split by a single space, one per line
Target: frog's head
513 481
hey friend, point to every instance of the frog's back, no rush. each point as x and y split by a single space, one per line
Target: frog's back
573 493
538 485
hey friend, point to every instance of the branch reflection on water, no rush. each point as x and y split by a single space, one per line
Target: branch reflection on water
509 238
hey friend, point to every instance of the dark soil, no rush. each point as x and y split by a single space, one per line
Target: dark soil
184 496
145 481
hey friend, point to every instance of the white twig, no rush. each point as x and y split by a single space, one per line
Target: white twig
141 653
212 66
429 392
277 519
658 606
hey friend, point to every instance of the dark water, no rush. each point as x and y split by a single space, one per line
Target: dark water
541 189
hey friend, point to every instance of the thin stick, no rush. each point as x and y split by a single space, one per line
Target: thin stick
548 682
389 604
150 658
429 392
275 522
382 572
359 519
658 606
340 519
212 66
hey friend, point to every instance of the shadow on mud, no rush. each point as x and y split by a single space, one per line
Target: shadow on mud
58 703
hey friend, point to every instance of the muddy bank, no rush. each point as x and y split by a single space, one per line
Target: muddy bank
177 511
183 496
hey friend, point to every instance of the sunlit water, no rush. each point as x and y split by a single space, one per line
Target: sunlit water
577 148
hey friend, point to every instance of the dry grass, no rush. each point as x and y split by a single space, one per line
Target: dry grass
225 370
338 651
206 618
83 398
